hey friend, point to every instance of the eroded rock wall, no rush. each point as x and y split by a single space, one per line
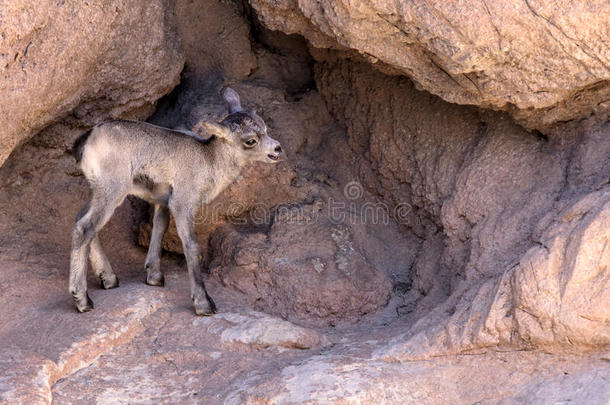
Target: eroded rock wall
499 209
544 62
268 236
481 191
84 61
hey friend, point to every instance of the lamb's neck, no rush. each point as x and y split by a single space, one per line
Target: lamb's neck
227 165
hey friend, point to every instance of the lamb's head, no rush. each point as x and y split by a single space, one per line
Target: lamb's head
246 131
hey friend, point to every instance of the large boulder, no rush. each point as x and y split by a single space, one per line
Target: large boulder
86 61
304 268
544 62
554 297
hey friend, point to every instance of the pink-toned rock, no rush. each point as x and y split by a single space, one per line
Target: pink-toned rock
558 292
554 298
483 193
544 62
87 61
261 330
326 283
215 37
478 378
498 241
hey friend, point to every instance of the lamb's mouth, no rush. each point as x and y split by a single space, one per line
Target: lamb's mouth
273 157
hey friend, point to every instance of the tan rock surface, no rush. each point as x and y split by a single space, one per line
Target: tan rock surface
215 37
543 62
45 343
488 198
88 61
328 283
261 330
476 378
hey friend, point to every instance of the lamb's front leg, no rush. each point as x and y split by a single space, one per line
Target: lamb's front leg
154 276
184 216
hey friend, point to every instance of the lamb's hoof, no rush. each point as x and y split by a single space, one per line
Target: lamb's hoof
113 282
84 304
156 281
204 307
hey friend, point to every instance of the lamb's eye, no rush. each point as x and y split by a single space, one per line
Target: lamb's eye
251 142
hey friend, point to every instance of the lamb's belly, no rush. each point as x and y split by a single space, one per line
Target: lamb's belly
154 193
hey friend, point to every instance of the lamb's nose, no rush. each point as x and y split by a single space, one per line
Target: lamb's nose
278 149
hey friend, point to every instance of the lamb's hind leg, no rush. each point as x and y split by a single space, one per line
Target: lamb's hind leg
101 207
99 261
101 265
154 276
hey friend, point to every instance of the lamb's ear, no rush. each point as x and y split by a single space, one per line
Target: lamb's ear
204 128
232 99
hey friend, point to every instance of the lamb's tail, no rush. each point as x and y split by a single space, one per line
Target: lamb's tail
79 144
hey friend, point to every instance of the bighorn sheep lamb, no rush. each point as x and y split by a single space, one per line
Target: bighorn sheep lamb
175 171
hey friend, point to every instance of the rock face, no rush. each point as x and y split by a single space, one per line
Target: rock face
327 283
215 37
407 250
511 222
564 300
341 379
251 229
89 61
544 62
